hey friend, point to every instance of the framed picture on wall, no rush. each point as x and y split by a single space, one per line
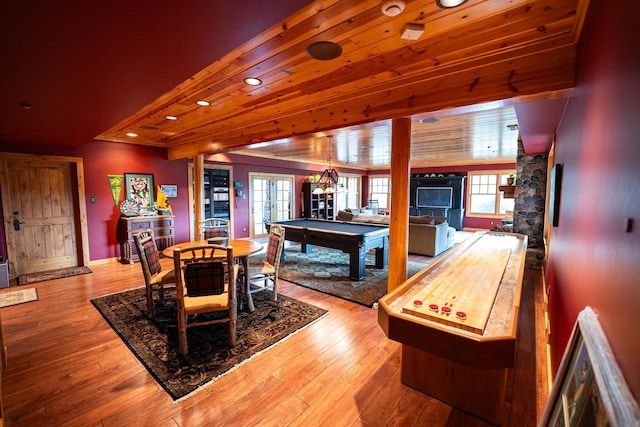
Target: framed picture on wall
140 188
589 389
554 195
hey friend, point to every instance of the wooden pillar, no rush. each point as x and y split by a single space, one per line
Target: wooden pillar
399 225
198 194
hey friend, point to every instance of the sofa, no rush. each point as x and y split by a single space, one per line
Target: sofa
428 235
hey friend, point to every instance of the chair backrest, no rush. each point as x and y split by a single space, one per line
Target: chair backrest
208 270
148 253
215 228
275 244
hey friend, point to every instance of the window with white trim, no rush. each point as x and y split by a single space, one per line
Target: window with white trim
352 198
484 197
379 187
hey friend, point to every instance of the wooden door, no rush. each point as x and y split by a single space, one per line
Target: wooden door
41 229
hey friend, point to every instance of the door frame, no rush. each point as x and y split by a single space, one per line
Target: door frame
252 176
192 201
77 195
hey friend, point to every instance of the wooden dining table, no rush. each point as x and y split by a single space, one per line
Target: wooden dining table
241 250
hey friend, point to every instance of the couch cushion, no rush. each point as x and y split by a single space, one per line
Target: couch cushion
371 219
429 220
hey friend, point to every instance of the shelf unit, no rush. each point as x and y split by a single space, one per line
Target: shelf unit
216 193
318 206
455 214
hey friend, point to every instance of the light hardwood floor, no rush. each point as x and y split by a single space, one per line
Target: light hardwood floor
67 367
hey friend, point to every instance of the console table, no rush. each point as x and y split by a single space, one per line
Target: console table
161 225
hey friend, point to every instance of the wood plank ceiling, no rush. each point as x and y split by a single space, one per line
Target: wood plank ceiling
469 69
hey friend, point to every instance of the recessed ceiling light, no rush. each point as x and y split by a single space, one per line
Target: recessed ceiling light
430 120
148 127
203 103
324 50
253 81
171 117
450 3
131 134
392 7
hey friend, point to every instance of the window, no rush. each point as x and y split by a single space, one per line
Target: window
379 190
352 198
484 198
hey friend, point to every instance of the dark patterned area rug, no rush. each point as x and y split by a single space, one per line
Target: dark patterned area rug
155 342
327 270
59 273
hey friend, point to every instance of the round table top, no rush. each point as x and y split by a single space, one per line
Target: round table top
241 247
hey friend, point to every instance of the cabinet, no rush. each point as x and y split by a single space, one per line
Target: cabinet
216 193
161 225
454 214
318 206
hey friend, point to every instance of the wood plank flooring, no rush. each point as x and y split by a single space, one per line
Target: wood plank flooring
67 367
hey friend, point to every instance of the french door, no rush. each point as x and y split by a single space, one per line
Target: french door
271 199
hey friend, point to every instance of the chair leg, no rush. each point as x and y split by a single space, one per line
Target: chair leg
274 296
232 333
182 334
149 294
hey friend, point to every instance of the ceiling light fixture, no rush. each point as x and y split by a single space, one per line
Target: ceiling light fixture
412 31
253 81
450 3
203 103
430 120
392 7
171 117
131 134
324 50
328 182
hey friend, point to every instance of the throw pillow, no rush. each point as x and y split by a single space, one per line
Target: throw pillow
344 216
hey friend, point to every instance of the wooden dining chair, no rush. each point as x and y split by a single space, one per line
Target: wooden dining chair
156 279
216 230
206 284
268 275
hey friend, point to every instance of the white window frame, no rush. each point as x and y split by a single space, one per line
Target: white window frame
383 202
342 199
501 179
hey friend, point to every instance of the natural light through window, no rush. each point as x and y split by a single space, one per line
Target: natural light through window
484 197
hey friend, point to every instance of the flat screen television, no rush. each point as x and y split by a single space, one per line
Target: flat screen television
434 197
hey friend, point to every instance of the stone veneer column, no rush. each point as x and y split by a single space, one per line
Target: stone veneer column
530 199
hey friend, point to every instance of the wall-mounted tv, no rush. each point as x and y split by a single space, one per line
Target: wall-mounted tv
434 197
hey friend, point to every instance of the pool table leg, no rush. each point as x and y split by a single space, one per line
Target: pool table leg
357 264
382 254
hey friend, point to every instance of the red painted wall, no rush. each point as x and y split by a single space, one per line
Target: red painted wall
593 260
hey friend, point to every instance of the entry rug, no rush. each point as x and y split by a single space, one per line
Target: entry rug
155 343
327 270
59 273
18 297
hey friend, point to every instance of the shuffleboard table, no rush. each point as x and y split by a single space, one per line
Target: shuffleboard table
354 239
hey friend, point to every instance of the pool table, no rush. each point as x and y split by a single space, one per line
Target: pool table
354 239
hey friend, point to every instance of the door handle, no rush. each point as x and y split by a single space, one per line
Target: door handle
16 221
16 224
